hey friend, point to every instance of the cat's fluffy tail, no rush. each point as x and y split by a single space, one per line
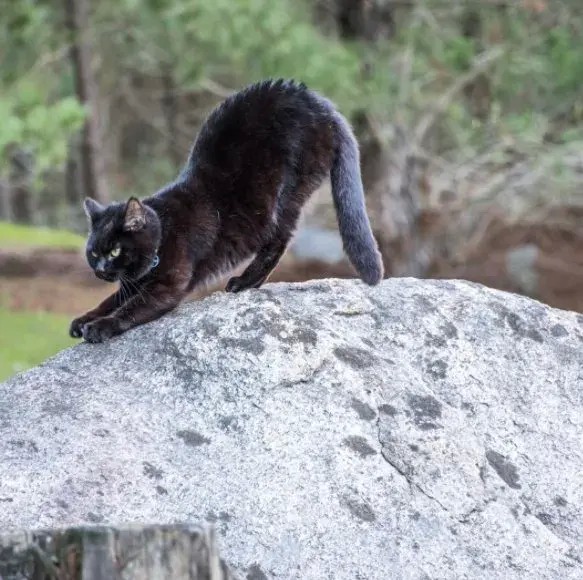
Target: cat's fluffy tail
347 192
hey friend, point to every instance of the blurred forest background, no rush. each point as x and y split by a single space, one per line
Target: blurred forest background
469 114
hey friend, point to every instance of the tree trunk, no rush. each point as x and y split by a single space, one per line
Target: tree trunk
92 160
102 553
73 185
74 189
365 19
170 107
393 174
478 92
5 201
394 180
368 20
20 187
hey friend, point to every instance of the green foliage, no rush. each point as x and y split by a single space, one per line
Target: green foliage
25 28
544 64
565 62
233 42
19 236
38 336
538 79
459 52
224 44
37 126
529 127
37 117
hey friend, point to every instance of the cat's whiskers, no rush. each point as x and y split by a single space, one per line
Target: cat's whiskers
123 292
141 292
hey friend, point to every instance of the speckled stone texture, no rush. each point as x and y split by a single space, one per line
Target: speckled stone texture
417 430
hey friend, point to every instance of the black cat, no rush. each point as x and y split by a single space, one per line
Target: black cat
257 159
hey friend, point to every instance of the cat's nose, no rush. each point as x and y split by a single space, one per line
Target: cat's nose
100 266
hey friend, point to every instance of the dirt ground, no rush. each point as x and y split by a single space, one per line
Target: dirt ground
60 281
554 277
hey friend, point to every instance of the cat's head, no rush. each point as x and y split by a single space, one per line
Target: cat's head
124 239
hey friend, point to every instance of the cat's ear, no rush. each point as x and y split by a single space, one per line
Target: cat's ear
92 208
135 216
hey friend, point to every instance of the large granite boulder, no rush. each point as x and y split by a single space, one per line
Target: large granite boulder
329 430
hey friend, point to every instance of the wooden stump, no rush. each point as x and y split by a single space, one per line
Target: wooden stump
178 552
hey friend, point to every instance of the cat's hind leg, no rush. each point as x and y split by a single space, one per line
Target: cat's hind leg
262 265
286 214
269 254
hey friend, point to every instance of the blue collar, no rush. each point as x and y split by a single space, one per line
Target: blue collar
155 262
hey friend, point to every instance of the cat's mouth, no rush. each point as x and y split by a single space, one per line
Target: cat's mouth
107 277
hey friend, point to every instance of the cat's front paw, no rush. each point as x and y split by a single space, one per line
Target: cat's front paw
76 327
240 283
100 330
235 284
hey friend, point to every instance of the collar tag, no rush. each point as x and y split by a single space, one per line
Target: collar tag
155 262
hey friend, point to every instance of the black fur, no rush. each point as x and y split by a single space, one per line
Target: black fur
257 160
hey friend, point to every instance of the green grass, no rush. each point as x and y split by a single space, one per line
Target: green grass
18 236
28 338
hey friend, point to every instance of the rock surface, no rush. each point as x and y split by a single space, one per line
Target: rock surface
415 430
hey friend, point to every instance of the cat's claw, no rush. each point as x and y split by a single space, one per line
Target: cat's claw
100 330
238 284
76 328
235 285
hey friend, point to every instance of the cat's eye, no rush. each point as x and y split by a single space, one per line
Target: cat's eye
94 254
115 252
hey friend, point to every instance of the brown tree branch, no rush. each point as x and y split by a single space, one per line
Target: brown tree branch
480 65
94 178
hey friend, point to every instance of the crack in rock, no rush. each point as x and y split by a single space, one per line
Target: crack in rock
412 484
